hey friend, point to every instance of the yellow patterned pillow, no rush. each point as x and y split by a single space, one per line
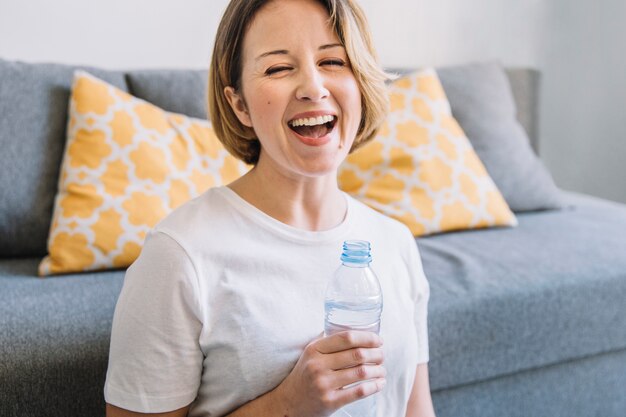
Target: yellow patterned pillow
127 164
422 169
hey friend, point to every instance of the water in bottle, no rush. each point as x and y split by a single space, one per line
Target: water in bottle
354 301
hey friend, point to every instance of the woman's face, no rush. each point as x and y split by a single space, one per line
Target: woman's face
297 92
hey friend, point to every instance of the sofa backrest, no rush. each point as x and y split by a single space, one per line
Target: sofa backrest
525 86
184 91
33 116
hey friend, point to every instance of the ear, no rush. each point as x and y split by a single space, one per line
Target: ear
238 105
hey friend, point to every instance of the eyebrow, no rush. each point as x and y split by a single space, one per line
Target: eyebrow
330 45
285 52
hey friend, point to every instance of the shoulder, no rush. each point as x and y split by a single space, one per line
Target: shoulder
195 219
194 209
367 217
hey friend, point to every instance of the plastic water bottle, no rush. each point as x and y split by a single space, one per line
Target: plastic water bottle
354 301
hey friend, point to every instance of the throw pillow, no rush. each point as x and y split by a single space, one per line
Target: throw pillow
483 103
421 169
127 164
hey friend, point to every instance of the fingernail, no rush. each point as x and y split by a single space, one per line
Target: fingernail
381 384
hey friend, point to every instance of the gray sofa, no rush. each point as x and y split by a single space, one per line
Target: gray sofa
524 321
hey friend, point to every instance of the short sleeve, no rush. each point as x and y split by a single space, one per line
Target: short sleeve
421 296
155 360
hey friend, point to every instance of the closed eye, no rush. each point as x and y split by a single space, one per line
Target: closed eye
276 70
333 62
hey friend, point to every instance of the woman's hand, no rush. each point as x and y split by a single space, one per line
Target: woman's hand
314 388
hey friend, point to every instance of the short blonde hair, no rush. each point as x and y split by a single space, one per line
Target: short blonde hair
352 29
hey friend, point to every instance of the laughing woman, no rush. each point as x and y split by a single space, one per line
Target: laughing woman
222 312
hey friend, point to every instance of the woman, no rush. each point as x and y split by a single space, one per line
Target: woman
222 312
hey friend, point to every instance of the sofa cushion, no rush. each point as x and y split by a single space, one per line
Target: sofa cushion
33 105
482 102
590 386
54 340
421 168
127 165
551 290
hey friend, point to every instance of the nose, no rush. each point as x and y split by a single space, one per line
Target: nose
311 85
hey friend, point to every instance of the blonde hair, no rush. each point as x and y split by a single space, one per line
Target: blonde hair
351 26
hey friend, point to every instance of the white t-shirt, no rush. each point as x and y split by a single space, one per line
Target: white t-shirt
223 298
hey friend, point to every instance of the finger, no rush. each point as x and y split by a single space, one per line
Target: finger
347 395
347 340
356 356
360 373
314 341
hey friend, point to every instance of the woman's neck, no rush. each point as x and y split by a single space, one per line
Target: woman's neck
308 203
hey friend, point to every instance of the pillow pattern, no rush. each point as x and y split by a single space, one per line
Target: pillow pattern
127 164
422 169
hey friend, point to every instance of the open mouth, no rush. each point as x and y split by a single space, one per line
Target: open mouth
313 127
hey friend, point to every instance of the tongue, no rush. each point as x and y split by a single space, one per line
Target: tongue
315 132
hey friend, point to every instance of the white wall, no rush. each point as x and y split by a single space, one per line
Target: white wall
110 33
158 33
584 98
446 32
575 44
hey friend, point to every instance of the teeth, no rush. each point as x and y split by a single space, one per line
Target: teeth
312 121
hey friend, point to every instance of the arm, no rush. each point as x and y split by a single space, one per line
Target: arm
154 336
420 402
